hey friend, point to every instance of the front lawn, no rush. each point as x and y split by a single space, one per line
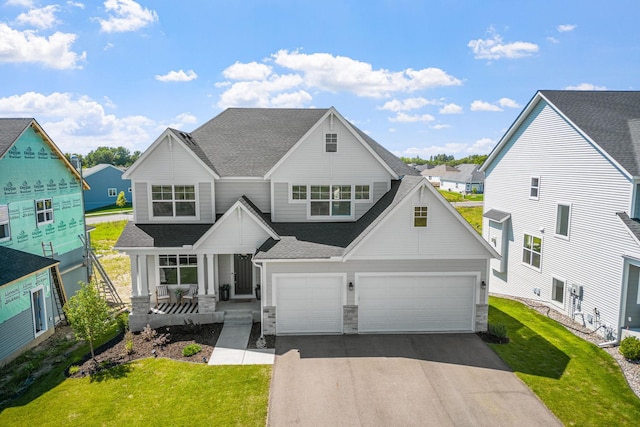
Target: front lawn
579 382
457 197
473 215
151 392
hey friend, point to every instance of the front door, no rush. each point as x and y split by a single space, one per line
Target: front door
243 269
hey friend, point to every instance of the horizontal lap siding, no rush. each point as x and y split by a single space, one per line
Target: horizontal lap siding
570 170
228 192
285 211
16 332
205 202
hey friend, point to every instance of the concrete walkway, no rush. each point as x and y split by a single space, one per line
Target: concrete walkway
231 348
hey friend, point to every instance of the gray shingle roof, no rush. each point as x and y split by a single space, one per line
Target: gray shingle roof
160 235
496 215
10 130
465 172
250 141
610 118
16 264
632 224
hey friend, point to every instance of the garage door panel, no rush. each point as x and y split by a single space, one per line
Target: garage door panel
406 303
308 304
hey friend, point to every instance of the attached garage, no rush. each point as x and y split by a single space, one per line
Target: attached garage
309 304
420 302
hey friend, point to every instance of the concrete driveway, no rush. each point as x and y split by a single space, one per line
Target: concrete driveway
398 380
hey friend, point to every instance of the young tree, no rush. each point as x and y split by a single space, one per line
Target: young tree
121 201
88 314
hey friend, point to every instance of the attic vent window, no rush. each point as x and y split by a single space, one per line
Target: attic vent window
420 216
331 142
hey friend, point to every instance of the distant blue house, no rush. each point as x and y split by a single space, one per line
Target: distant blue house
106 183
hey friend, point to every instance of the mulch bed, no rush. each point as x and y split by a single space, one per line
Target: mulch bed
114 352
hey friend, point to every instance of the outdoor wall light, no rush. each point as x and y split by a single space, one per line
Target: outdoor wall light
154 353
350 286
483 285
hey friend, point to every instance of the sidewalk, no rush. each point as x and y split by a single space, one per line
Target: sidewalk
231 348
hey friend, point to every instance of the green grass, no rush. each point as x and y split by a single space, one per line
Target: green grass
579 382
105 236
473 215
111 210
457 197
152 392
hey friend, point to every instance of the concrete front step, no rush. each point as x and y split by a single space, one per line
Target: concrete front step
233 317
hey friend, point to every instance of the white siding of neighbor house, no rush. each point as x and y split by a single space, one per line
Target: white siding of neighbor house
444 237
351 267
351 163
228 192
237 233
571 170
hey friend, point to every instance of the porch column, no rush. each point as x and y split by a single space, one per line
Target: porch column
134 275
144 277
211 271
201 263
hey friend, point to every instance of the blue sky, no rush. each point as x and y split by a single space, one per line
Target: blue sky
420 77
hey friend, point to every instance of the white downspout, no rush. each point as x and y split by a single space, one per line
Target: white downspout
262 297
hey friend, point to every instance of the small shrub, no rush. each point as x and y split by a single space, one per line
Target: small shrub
191 349
148 334
74 369
498 330
162 340
630 348
128 342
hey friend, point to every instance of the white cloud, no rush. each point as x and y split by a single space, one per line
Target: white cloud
342 74
249 71
495 48
177 76
482 146
80 124
585 86
440 126
126 15
553 40
75 4
478 105
407 118
183 119
451 109
26 46
108 46
291 100
42 18
508 103
405 104
20 3
566 27
260 93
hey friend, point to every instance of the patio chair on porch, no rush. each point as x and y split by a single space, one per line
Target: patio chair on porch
162 293
192 294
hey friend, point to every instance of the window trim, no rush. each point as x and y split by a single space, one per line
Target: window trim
536 187
112 194
553 291
417 209
45 210
369 190
533 236
5 223
177 267
326 143
173 200
570 206
306 198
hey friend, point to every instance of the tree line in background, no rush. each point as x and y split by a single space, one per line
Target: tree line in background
108 155
444 159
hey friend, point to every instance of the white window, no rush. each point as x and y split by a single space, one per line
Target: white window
331 142
361 192
5 231
44 211
178 269
420 216
38 311
563 217
532 250
534 188
173 200
298 192
112 192
557 290
330 200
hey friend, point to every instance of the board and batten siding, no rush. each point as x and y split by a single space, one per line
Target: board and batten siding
351 267
309 163
228 192
573 171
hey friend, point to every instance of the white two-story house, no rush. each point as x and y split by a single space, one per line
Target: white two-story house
340 235
562 194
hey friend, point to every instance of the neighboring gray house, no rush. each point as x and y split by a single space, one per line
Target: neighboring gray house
561 201
106 183
464 178
341 235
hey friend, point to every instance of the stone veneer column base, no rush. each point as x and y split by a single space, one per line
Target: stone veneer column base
140 304
350 319
269 320
206 304
482 317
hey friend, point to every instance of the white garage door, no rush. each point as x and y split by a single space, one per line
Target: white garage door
416 303
309 304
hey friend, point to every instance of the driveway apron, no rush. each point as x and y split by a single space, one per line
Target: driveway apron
398 380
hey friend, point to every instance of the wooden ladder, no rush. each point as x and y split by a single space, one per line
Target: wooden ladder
105 285
59 294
